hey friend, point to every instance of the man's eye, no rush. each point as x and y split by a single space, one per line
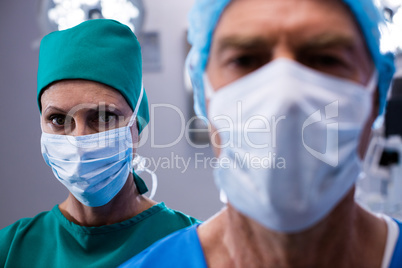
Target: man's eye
246 61
324 61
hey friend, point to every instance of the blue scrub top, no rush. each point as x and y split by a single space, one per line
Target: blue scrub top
183 249
396 261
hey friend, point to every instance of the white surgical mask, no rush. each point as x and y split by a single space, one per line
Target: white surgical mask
95 167
289 139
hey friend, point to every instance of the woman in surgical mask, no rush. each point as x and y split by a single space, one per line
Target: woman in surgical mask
93 109
291 89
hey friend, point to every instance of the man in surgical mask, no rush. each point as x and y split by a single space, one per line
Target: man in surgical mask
291 89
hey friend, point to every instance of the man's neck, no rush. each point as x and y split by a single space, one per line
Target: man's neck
125 205
348 237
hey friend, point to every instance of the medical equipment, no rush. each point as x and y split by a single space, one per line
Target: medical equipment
380 186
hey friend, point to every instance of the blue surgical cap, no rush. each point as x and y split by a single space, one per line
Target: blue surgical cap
205 15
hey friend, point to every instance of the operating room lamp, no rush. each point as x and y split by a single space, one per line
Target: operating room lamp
392 33
62 14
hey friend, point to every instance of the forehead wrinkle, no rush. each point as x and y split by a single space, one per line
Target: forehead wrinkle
237 13
55 108
91 94
67 108
116 99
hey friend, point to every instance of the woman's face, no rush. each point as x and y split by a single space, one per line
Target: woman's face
81 107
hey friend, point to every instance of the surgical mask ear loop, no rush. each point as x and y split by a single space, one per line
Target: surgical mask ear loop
208 89
137 107
372 84
377 142
223 197
133 117
140 162
209 92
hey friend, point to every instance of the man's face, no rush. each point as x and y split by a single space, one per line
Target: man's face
319 34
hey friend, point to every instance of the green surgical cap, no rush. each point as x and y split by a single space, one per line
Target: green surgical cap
100 50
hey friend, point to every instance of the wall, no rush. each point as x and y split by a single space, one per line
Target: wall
27 185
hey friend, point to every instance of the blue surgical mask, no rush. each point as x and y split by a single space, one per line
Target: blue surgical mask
289 139
95 167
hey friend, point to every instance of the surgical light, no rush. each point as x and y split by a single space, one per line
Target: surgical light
391 32
63 14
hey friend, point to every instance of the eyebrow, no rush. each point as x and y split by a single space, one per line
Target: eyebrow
328 40
325 40
54 108
116 110
243 43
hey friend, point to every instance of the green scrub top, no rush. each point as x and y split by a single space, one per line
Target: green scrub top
50 240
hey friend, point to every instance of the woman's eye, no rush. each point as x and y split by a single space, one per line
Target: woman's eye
58 120
106 117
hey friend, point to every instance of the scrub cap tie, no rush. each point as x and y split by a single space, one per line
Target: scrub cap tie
205 15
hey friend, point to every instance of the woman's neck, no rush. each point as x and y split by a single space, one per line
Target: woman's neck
125 205
348 237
